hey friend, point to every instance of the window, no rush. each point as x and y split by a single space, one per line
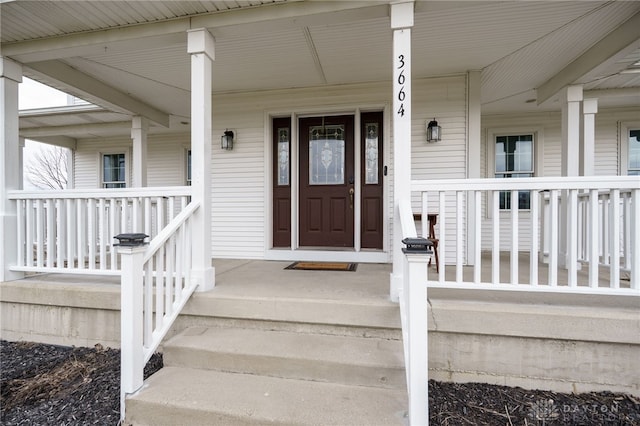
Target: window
514 159
188 168
113 171
634 152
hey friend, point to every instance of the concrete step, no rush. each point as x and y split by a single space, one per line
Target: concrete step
329 358
186 396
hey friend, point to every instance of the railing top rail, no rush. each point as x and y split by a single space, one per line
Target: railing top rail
533 183
167 191
170 229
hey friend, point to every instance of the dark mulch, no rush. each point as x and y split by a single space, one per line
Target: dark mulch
58 385
55 385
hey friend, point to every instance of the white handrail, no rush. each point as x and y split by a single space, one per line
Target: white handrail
160 273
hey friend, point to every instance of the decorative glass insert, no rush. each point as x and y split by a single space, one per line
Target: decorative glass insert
283 156
634 152
371 154
113 171
326 155
514 158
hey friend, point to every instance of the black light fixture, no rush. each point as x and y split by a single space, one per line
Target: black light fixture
434 132
226 141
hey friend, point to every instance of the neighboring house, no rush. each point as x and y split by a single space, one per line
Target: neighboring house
329 104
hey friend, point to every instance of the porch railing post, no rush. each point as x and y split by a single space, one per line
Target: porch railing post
418 368
10 176
131 321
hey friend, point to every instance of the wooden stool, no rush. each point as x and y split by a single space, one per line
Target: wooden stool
433 219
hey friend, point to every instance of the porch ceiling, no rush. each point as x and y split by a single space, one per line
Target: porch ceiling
139 48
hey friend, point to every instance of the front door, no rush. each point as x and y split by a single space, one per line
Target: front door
327 181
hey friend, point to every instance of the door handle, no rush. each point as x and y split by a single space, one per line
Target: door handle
351 192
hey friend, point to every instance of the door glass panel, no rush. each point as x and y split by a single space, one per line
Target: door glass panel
283 156
326 155
371 154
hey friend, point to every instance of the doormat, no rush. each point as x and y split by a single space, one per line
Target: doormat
323 266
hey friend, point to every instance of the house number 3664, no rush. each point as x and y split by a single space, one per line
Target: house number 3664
401 79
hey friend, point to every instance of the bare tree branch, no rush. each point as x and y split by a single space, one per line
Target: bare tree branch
48 168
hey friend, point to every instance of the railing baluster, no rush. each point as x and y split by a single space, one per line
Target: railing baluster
70 234
148 212
39 234
515 208
160 287
148 303
627 224
103 228
29 228
604 224
21 240
49 232
594 240
91 232
553 239
495 246
60 233
614 233
572 238
113 219
179 261
81 232
535 235
170 261
477 268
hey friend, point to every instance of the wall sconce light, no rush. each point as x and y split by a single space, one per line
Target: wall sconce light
226 141
434 132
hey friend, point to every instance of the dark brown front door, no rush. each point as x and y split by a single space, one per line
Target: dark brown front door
327 181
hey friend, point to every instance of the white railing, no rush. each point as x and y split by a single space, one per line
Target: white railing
591 215
600 219
72 231
156 284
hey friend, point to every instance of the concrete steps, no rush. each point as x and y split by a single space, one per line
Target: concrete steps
186 396
341 359
228 374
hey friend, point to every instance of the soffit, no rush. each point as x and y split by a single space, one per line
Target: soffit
516 45
28 20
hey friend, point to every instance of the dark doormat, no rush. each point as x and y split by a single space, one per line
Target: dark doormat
323 266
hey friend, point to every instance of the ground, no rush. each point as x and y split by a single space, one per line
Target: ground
55 385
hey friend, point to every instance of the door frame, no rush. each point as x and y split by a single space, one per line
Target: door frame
295 252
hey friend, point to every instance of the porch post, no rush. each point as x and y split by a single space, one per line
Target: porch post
200 45
474 129
401 23
571 98
139 129
10 154
588 145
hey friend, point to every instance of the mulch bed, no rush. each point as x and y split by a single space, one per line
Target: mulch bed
55 385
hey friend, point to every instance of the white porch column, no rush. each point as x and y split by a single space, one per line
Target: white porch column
200 44
401 23
571 98
139 129
10 165
474 130
588 145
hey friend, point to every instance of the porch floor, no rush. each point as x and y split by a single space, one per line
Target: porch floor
369 283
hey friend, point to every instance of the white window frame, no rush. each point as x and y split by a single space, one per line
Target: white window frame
127 169
538 143
623 142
